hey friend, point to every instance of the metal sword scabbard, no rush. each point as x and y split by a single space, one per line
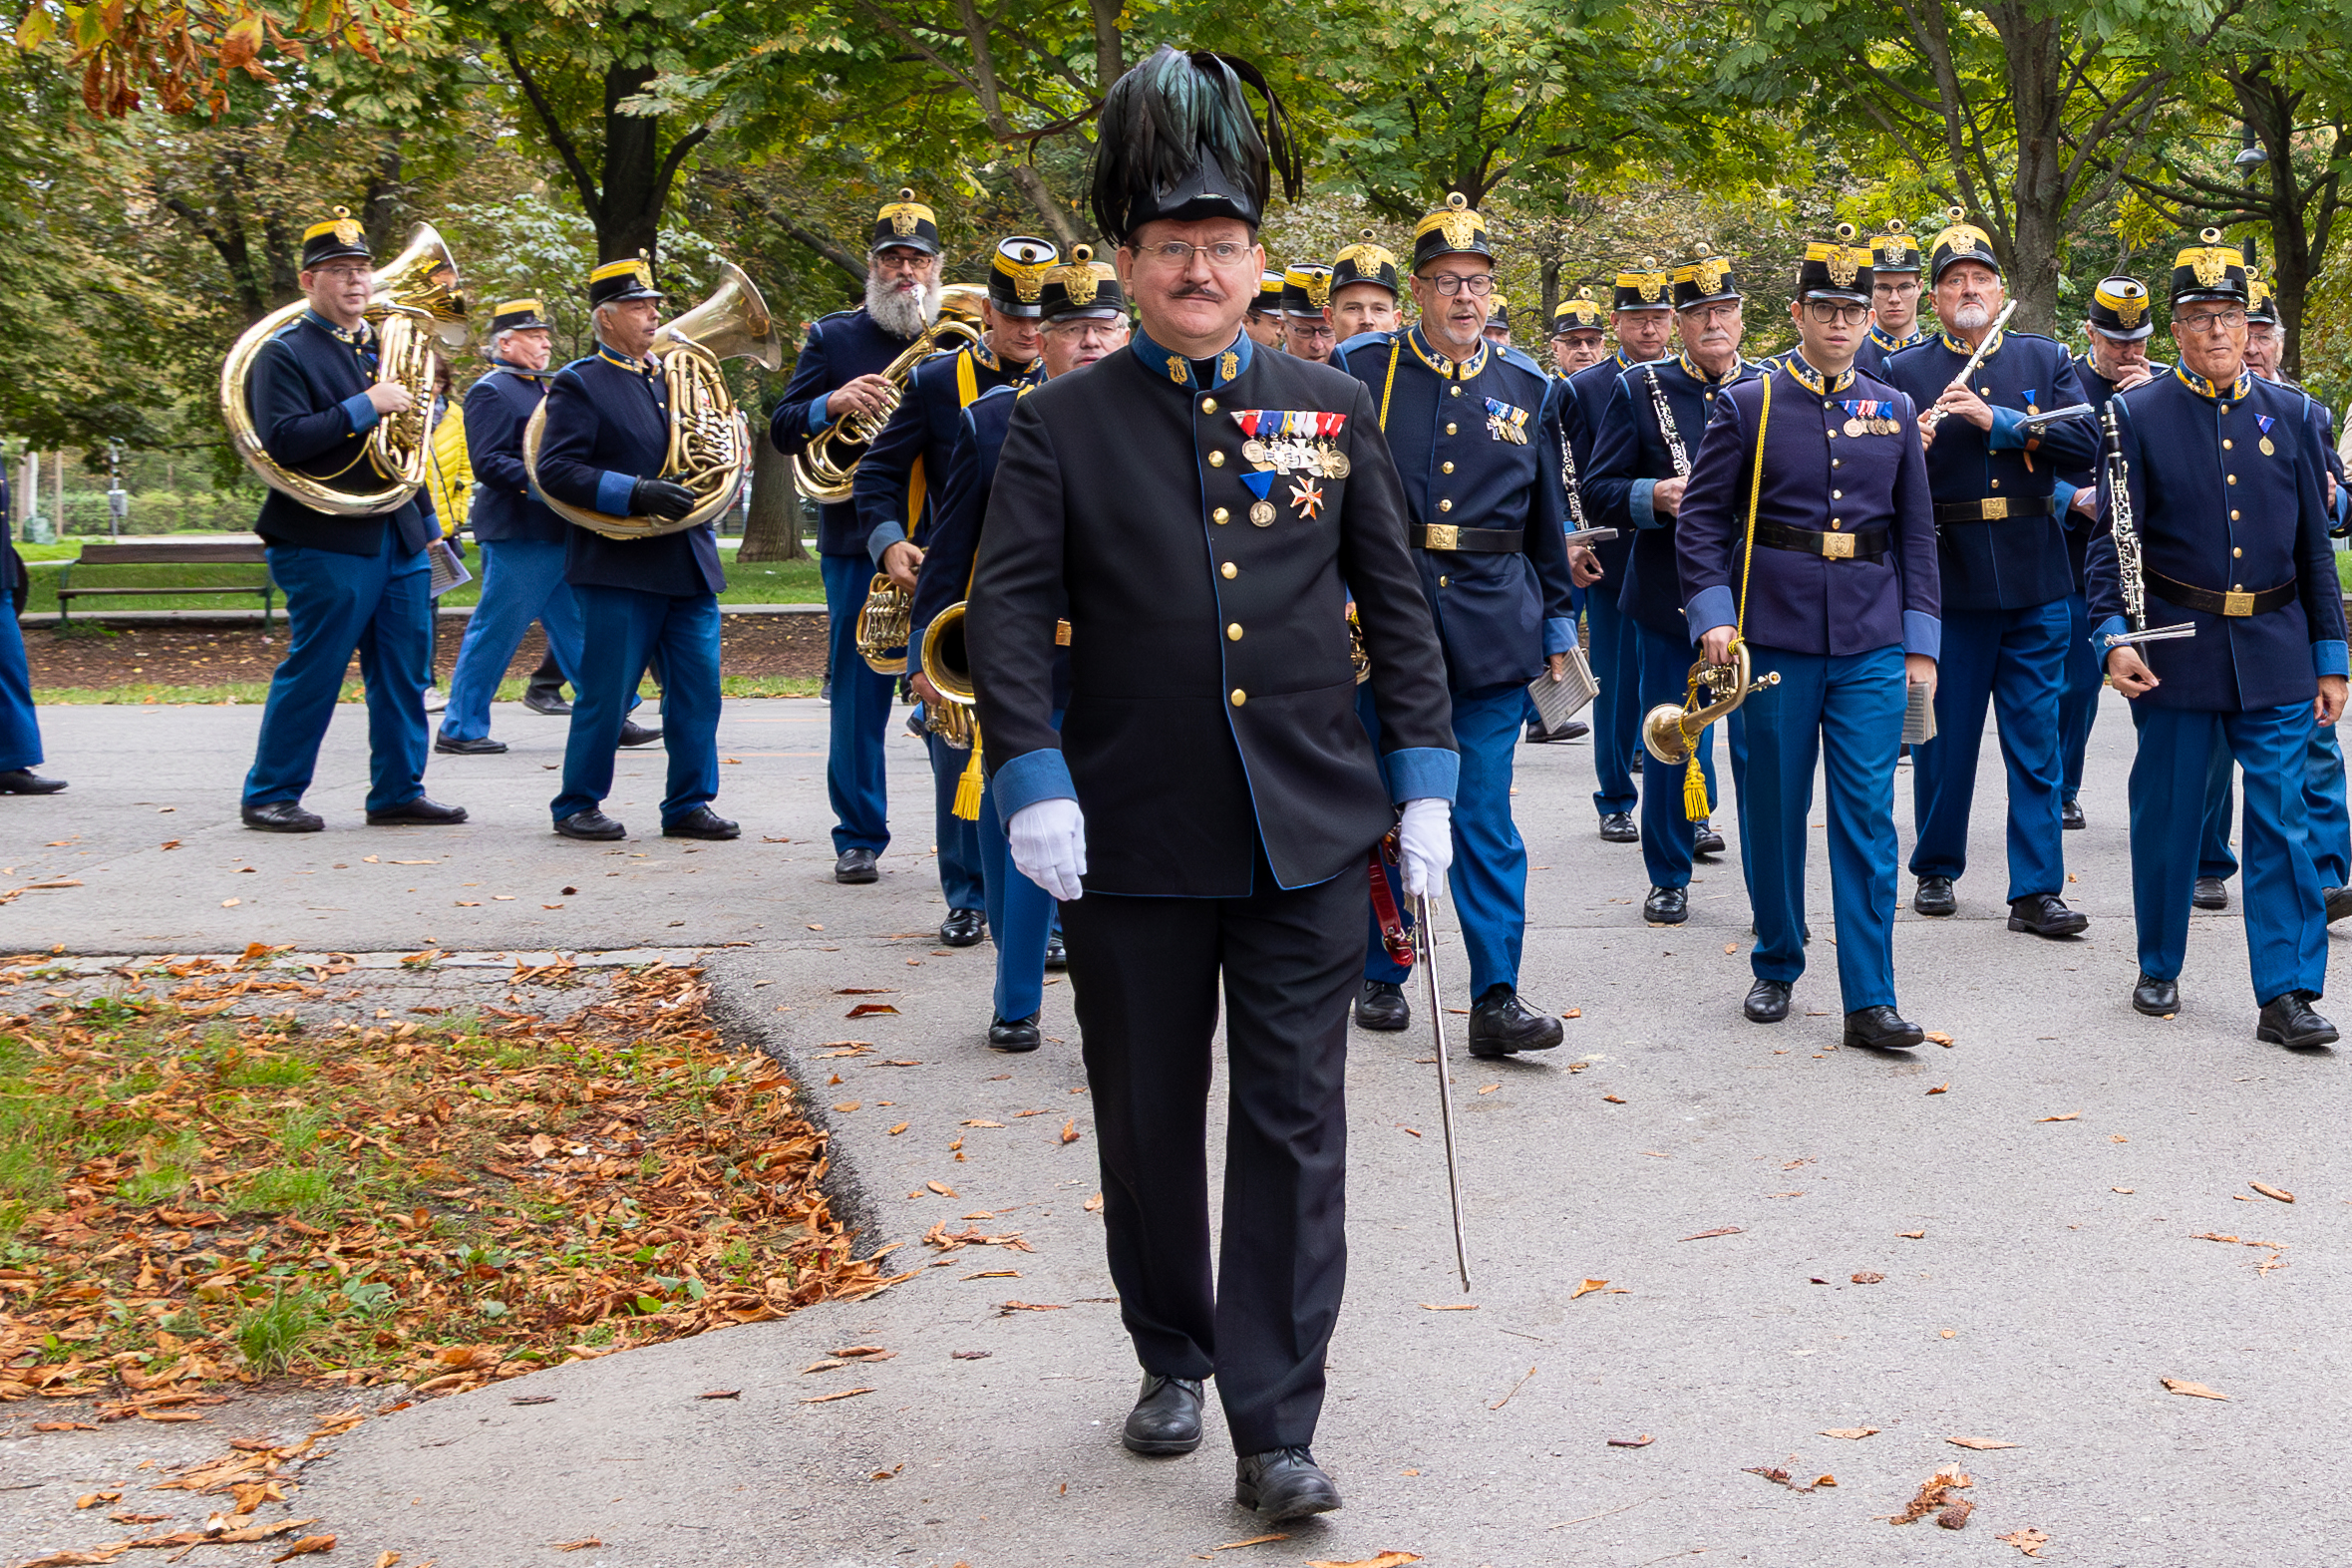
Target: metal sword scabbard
1425 937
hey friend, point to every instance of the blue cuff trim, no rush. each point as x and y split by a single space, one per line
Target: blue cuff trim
1028 779
1558 636
1421 772
1922 633
1710 608
2114 625
1644 516
2327 658
613 492
363 413
883 536
2064 495
2006 433
816 418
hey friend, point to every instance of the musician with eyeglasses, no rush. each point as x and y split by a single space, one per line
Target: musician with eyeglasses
1264 323
2221 523
1823 565
1307 332
2000 489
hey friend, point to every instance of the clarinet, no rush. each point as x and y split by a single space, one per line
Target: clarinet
1567 473
2129 572
1666 428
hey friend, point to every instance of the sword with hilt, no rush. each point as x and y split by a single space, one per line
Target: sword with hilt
1425 938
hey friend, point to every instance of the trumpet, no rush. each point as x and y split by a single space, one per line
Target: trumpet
1670 733
828 465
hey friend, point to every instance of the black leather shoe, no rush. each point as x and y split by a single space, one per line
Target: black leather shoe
2338 901
1015 1034
23 781
1057 956
1934 897
1768 1002
2046 914
480 746
1501 1025
854 865
549 701
2070 816
282 817
1285 1483
1166 1416
635 734
1381 1006
1667 906
1705 840
1573 730
701 822
423 812
1882 1029
1616 828
591 825
2288 1020
2156 998
963 928
2211 893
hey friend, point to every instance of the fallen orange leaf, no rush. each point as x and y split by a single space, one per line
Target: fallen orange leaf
1980 1442
2072 1115
1855 1432
1384 1560
308 1546
580 1545
828 1398
2270 1191
2195 1391
1587 1288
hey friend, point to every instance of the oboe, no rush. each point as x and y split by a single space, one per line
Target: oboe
2127 544
1666 428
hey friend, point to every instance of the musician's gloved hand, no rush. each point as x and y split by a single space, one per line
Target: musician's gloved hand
1425 846
660 499
1047 839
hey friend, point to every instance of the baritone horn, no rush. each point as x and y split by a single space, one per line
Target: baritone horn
1670 731
884 621
828 465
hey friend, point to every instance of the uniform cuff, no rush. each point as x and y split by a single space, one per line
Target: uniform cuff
613 492
817 420
1644 514
1922 634
2006 434
883 536
1558 636
363 413
2063 495
2327 657
2112 626
1420 773
1710 608
1028 779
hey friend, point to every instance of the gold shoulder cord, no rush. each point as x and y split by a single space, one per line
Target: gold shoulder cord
1396 347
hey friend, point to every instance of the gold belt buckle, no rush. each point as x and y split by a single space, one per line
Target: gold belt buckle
1060 633
2237 604
1996 509
1837 546
1442 536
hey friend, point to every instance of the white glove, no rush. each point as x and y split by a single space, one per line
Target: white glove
1424 844
1047 839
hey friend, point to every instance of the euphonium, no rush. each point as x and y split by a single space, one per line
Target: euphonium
884 621
828 465
415 303
1669 732
710 440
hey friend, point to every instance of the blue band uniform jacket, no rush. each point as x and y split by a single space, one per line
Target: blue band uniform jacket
1212 702
1476 447
1629 458
607 427
497 407
2227 494
841 348
308 396
1877 348
1818 478
2020 560
919 441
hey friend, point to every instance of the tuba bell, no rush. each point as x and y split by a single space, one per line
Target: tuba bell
415 303
710 440
828 465
947 664
1670 731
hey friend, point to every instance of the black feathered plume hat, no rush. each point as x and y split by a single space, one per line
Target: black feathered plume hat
1178 141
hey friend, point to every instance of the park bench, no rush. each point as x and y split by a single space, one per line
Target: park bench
233 552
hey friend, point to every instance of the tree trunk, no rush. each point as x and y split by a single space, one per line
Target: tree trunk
772 530
386 202
1109 45
1549 273
2037 68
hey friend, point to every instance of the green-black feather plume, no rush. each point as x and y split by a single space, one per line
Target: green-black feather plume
1163 118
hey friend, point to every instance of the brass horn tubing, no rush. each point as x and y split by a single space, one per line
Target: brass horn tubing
946 663
238 413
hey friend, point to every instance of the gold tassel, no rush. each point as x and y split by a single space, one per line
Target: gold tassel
969 787
1694 789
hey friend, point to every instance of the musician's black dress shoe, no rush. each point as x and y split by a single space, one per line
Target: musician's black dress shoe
1501 1025
1381 1006
1667 906
1881 1027
2288 1020
854 865
2338 901
1934 897
591 825
1166 1416
549 701
423 812
1616 828
1057 956
2046 914
1705 840
1768 1002
1285 1483
23 781
2070 816
963 928
2211 892
701 822
479 746
282 817
1015 1034
2156 998
635 734
1573 730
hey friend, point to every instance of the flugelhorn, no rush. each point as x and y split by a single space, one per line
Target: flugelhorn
947 665
1670 731
828 465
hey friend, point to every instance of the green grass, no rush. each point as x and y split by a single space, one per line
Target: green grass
2344 568
286 1189
258 691
271 1333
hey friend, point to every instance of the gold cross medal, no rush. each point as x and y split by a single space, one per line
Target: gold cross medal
1333 462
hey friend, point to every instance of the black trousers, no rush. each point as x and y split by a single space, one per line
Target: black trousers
1145 973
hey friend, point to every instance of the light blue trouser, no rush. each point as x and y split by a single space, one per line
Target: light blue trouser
1616 712
959 841
2013 661
2286 921
2077 697
522 581
1847 712
1666 827
20 729
2323 798
854 776
1020 913
381 604
623 629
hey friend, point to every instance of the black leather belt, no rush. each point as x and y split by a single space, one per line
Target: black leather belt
1995 508
1469 541
2213 602
1863 544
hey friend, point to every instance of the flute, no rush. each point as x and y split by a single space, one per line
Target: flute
1934 416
